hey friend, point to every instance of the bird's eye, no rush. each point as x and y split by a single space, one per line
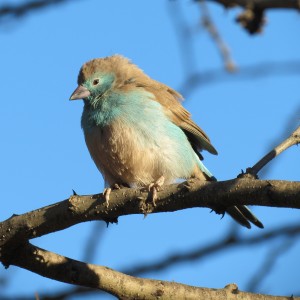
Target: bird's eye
96 82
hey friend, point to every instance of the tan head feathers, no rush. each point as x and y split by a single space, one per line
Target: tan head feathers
117 64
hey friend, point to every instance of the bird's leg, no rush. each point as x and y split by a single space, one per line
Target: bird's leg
107 191
154 187
106 194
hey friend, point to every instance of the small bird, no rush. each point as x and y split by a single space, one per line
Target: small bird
137 131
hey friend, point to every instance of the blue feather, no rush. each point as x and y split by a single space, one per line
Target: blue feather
138 132
138 111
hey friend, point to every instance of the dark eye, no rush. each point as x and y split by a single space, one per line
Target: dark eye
96 82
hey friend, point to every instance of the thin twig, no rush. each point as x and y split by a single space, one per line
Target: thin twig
184 36
90 247
293 139
292 122
271 258
231 240
262 4
260 70
216 37
20 10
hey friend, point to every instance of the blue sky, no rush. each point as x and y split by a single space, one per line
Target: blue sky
43 154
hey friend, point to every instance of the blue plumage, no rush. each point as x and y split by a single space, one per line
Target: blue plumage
163 145
137 131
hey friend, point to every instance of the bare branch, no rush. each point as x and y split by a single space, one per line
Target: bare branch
20 10
252 18
123 286
216 37
58 295
231 240
268 264
259 70
194 193
184 34
90 247
262 4
292 122
293 139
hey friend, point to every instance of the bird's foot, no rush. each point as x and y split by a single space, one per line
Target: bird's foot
106 194
155 187
107 191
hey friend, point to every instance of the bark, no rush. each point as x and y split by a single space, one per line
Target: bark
193 193
123 286
16 232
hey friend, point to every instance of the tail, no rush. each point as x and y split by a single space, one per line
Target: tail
240 213
243 215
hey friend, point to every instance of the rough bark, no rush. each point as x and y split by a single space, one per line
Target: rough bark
193 193
123 286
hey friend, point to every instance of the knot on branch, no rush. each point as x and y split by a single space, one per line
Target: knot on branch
146 206
296 133
252 19
232 287
249 174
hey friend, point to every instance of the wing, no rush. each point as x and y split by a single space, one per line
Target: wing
171 101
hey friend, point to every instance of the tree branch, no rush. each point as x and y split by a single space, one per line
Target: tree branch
194 193
261 4
198 79
230 241
293 139
252 18
209 25
268 264
57 267
20 10
292 122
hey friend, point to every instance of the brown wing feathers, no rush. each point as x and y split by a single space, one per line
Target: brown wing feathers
129 76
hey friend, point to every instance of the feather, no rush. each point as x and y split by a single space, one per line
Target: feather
129 77
137 130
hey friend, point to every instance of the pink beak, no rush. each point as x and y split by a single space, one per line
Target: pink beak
80 93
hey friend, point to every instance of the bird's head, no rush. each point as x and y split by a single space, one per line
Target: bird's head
101 75
93 82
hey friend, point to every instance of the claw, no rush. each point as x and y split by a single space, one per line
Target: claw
154 187
106 194
107 191
116 186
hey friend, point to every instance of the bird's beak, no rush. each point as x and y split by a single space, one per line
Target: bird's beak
80 93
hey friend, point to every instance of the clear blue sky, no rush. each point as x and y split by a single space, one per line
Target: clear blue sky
43 153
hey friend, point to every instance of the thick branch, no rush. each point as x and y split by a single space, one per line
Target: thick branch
231 241
194 193
123 286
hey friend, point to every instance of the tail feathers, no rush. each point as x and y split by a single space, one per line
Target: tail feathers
243 215
240 213
204 170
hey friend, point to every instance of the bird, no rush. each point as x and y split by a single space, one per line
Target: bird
138 133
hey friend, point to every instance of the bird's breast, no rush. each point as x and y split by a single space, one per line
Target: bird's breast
137 143
119 155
